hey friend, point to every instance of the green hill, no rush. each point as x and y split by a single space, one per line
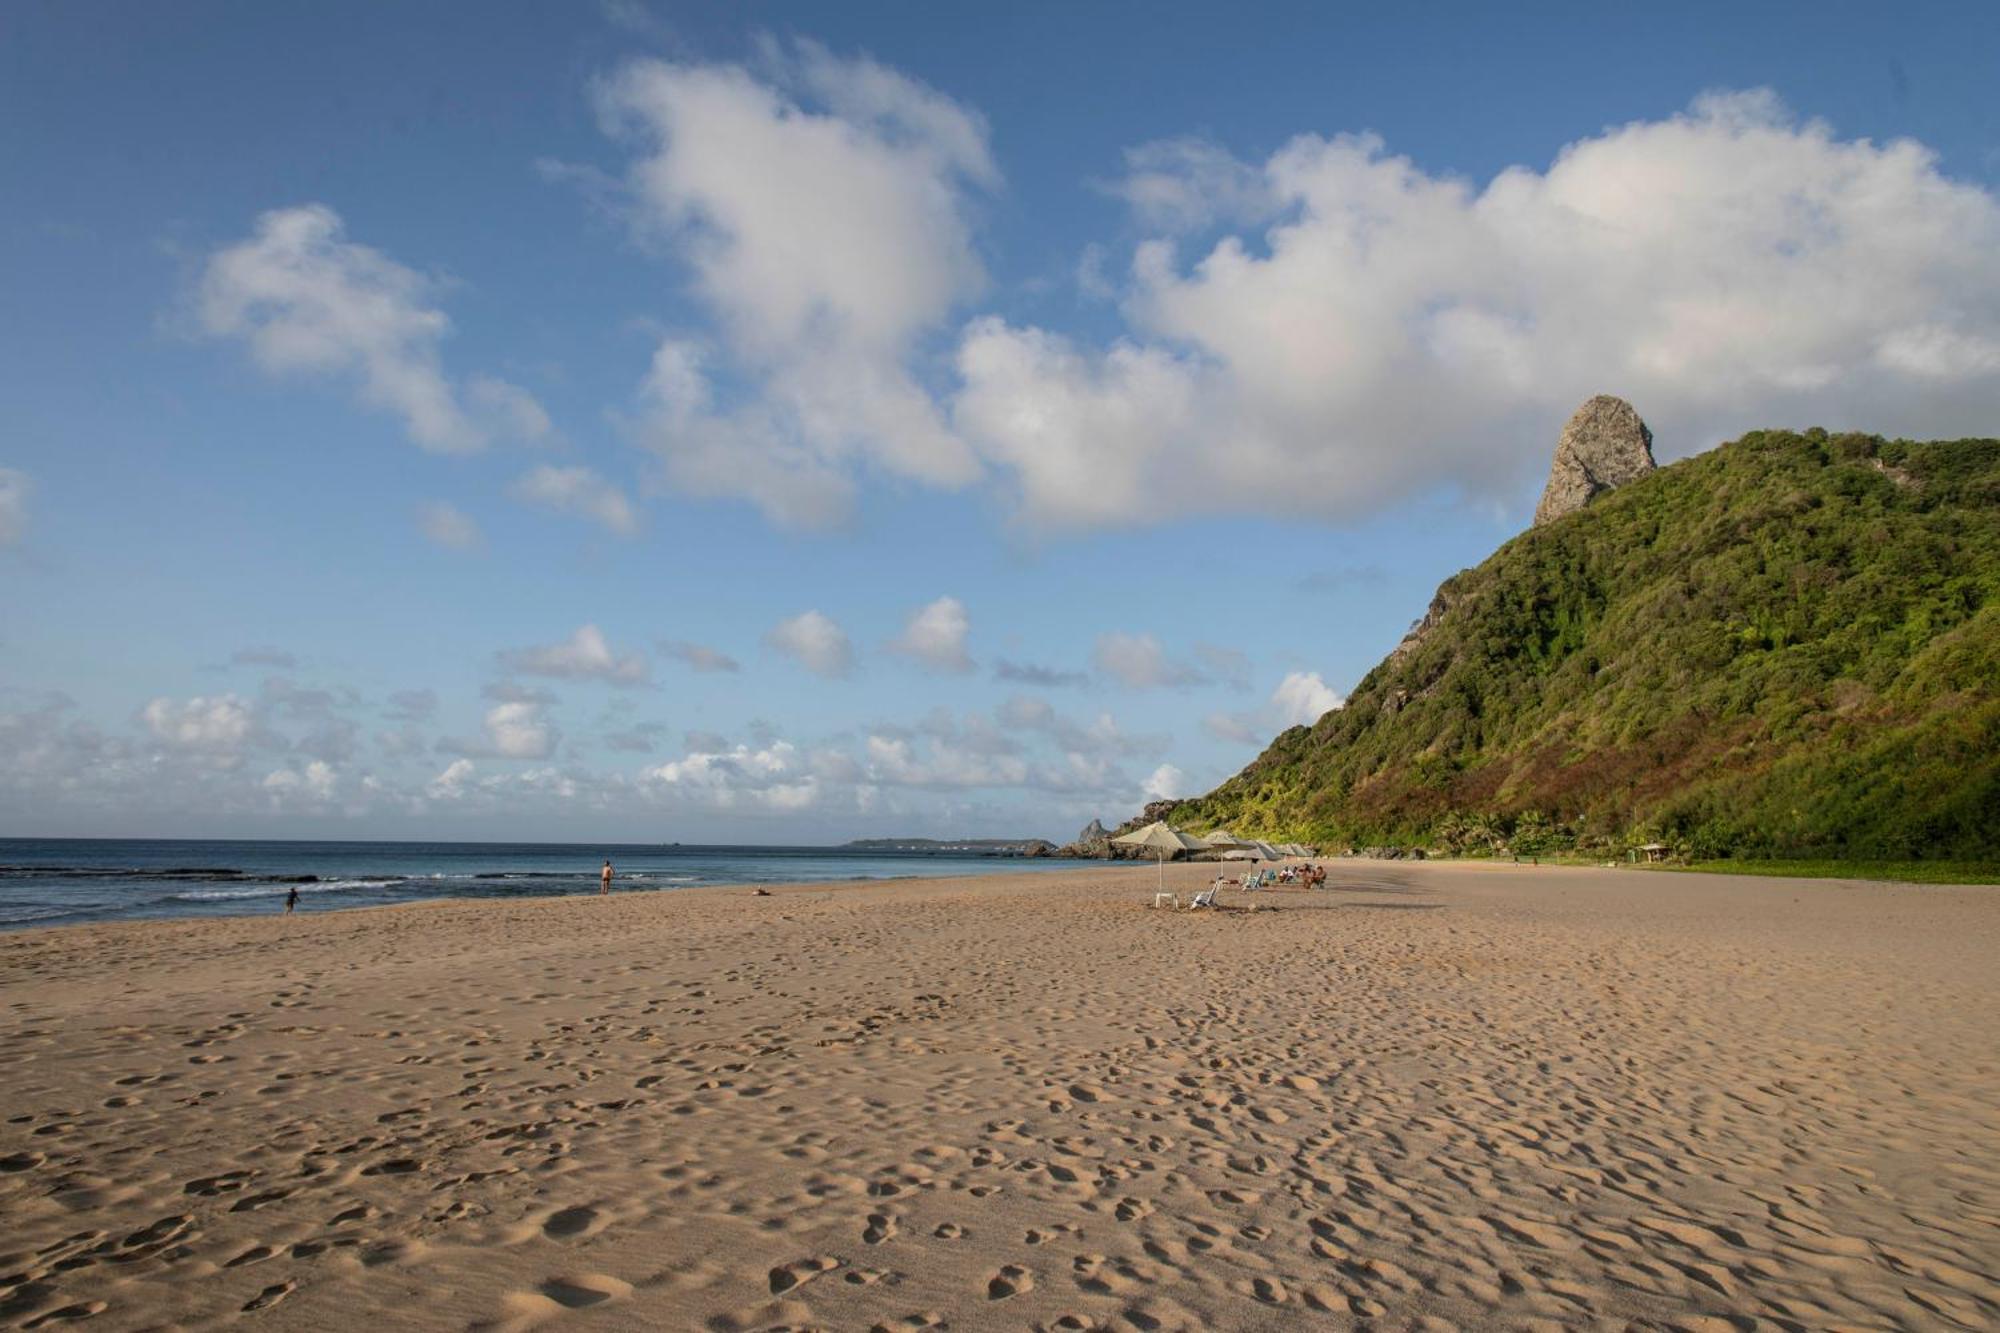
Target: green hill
1788 646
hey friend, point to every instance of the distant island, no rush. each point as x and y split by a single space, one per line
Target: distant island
956 846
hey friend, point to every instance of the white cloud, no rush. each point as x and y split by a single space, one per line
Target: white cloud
586 655
699 657
315 783
14 491
1165 783
815 642
820 306
581 493
450 783
306 300
776 777
935 636
1390 330
520 730
1138 662
446 525
517 726
223 725
1302 698
1299 700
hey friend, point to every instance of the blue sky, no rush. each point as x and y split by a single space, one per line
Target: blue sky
786 423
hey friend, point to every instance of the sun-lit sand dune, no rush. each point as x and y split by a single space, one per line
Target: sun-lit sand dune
1427 1097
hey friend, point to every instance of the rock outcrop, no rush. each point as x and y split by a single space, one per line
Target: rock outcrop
1094 832
1604 446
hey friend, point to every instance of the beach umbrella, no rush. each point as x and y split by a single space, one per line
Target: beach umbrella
1162 840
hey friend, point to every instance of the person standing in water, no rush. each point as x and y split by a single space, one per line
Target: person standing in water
291 900
604 879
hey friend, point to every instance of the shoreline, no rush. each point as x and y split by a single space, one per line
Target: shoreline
1476 1094
1337 866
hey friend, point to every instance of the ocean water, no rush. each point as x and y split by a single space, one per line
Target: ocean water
59 881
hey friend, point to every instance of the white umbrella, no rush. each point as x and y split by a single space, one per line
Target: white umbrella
1162 839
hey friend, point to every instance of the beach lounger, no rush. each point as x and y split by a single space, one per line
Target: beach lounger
1206 898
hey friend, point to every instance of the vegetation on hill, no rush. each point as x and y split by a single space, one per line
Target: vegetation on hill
1788 646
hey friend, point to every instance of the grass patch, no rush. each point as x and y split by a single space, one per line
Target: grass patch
1906 872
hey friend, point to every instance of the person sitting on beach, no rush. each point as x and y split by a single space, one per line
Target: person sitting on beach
604 879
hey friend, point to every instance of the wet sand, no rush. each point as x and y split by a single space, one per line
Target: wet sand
1425 1097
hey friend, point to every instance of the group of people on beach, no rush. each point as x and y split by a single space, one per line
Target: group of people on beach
1308 876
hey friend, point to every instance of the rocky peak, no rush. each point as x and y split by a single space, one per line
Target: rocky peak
1093 832
1604 446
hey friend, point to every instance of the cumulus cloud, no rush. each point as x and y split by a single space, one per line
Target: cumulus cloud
820 307
222 725
1139 662
815 642
445 524
935 636
520 731
699 657
306 300
585 655
14 491
1302 698
451 782
580 493
1299 700
1165 783
313 784
1388 330
776 777
516 727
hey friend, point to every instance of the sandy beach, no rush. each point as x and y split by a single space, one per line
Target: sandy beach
1426 1097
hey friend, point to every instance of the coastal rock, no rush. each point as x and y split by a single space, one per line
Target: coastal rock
1094 831
1604 446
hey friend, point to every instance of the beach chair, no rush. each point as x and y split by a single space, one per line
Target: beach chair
1206 898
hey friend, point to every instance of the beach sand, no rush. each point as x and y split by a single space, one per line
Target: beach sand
1426 1097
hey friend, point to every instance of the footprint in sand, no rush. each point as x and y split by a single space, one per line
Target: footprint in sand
68 1314
270 1296
881 1227
786 1277
582 1292
570 1223
1011 1280
1132 1210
